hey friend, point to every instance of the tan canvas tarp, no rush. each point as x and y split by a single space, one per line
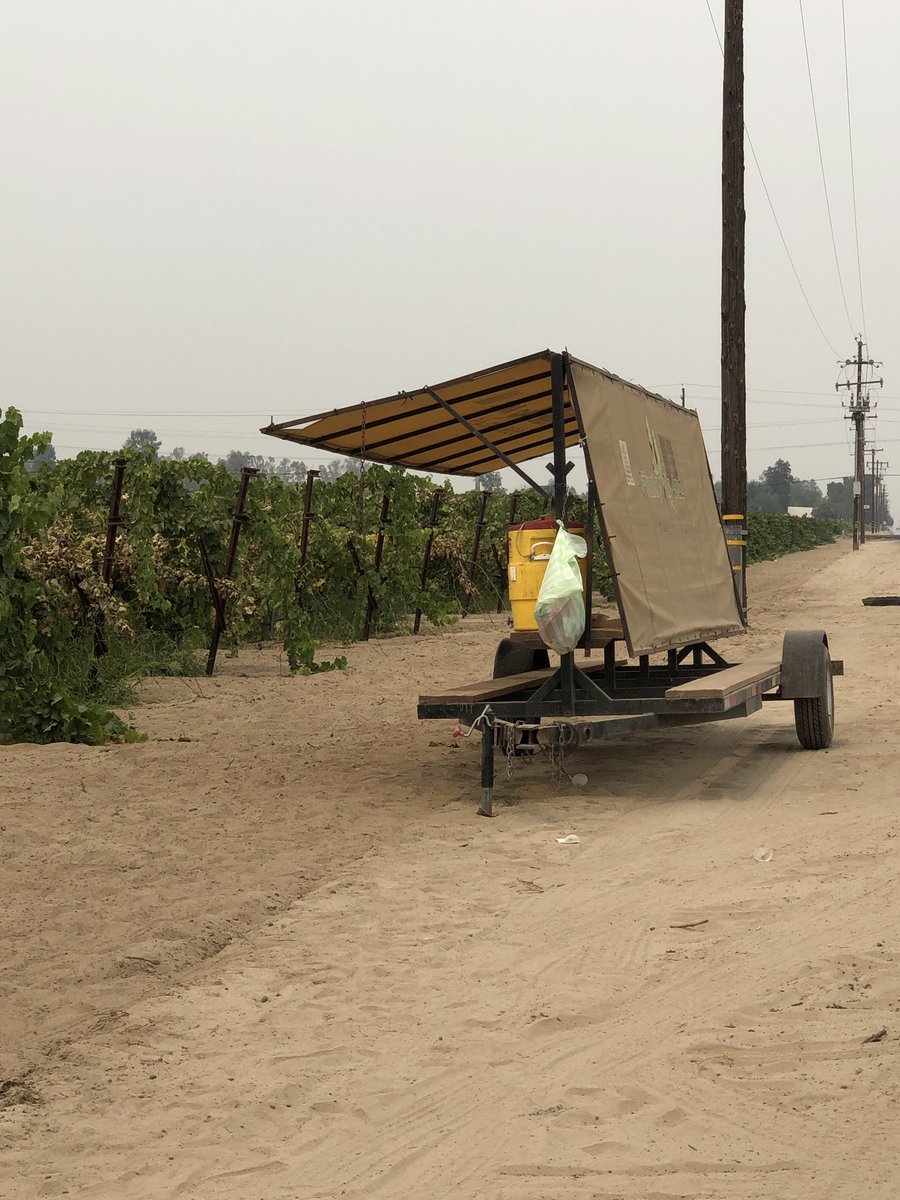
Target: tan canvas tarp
649 465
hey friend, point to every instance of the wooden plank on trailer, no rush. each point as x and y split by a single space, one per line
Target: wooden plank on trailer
491 689
723 683
603 630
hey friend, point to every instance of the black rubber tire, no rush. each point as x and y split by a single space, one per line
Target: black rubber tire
512 658
814 716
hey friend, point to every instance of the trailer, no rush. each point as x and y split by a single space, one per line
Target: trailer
676 563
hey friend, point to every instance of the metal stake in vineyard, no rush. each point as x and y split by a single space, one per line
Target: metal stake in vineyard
429 545
501 559
501 576
513 509
308 514
109 550
239 519
371 602
476 546
214 592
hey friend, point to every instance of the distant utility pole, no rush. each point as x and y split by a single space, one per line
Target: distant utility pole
881 466
858 410
734 383
873 500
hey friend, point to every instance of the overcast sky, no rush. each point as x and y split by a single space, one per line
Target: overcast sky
216 211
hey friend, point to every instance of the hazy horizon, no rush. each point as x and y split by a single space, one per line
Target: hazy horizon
222 212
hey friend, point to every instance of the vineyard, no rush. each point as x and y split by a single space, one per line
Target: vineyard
115 567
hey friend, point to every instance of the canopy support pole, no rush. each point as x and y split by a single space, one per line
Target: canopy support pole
486 441
559 469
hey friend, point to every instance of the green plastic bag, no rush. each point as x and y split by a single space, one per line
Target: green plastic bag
559 610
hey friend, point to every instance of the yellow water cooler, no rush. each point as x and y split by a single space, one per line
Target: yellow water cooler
530 545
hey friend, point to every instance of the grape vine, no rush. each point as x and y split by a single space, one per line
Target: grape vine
156 612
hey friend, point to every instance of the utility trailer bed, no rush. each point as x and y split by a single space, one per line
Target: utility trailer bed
675 563
593 699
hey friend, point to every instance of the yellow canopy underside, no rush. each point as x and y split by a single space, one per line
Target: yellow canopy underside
509 404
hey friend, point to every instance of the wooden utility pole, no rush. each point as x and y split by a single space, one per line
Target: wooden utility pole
882 500
734 384
881 466
873 493
860 427
859 410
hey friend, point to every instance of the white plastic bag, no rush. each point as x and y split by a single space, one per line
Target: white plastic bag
559 610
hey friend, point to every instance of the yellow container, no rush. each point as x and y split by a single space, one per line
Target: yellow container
529 551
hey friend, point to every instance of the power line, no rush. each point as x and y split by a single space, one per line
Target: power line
152 412
812 96
812 404
801 446
862 303
770 424
772 391
196 434
762 180
306 458
776 391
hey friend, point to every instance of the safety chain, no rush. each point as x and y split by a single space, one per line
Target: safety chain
555 752
510 749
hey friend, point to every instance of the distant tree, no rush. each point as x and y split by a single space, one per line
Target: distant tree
778 479
491 482
776 489
140 439
45 458
805 493
341 466
291 470
761 498
179 454
235 459
838 502
884 511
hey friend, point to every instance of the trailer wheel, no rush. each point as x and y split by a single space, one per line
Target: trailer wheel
814 716
512 658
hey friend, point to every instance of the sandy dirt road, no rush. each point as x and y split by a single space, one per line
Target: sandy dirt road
271 963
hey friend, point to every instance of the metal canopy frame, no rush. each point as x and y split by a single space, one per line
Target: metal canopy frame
485 440
381 425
